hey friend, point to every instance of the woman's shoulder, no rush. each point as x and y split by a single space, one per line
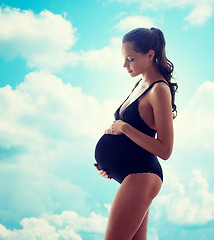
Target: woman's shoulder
160 85
160 90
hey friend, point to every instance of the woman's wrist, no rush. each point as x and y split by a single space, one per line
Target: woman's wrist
125 128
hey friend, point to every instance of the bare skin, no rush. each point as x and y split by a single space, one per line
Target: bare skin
141 233
130 206
147 186
128 219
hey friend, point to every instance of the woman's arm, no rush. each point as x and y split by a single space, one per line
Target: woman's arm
160 100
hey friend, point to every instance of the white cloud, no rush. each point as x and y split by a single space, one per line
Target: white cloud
194 124
65 226
152 233
132 22
93 223
106 67
46 127
202 9
187 199
43 104
107 206
108 58
201 13
44 40
29 187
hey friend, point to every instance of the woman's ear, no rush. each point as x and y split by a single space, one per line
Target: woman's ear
151 54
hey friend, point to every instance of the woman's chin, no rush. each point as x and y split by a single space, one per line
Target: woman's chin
132 74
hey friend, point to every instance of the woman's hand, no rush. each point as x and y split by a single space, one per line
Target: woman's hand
116 128
102 172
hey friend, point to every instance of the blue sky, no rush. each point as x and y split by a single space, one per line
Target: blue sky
60 83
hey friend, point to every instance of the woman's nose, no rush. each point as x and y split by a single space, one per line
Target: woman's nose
125 64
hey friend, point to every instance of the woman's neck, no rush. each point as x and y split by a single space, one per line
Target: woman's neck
152 75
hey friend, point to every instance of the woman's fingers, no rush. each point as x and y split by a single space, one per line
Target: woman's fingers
101 172
115 128
108 131
96 166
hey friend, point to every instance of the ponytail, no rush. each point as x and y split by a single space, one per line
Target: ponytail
164 65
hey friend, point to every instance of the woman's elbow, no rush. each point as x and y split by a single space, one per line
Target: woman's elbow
165 154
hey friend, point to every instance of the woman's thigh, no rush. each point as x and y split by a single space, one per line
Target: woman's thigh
130 205
141 233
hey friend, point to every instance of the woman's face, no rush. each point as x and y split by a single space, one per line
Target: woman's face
136 63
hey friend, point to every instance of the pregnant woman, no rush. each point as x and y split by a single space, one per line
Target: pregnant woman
142 130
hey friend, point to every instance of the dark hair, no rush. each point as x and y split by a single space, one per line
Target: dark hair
145 39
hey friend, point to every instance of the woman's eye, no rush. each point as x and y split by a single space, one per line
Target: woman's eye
130 59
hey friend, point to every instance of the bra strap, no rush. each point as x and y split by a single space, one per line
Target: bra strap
131 91
152 86
135 86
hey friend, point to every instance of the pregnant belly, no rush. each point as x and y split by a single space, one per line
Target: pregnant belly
117 154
